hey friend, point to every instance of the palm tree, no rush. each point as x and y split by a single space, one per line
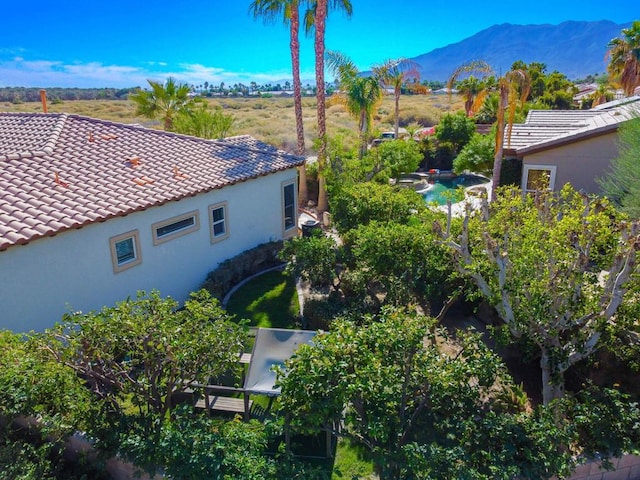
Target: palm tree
315 18
512 89
394 74
473 91
164 101
624 58
601 95
360 95
289 11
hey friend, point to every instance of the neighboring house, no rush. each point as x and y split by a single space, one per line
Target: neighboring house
569 146
93 211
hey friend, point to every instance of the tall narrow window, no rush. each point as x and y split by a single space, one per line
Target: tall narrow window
289 206
175 227
218 222
125 251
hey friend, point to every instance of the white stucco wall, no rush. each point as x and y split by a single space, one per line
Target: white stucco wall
73 270
578 163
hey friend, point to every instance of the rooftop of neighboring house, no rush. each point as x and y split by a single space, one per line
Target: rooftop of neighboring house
61 171
549 128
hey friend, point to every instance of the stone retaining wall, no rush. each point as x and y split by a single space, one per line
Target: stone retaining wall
626 468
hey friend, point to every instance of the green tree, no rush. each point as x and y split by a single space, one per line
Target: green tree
455 129
196 447
406 263
314 259
422 410
362 203
204 123
473 91
164 101
476 156
624 58
48 402
622 181
138 354
289 12
359 94
559 92
556 269
394 73
390 159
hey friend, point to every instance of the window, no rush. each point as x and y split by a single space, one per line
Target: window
125 251
175 227
289 206
218 222
538 177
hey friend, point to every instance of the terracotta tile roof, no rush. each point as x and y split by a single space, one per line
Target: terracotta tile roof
60 171
549 128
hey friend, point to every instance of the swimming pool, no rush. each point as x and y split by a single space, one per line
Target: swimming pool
443 189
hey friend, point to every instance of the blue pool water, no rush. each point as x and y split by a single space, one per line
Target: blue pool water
445 188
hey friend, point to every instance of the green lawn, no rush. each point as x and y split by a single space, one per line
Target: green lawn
269 301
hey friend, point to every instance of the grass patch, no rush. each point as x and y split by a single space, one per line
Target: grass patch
268 301
351 463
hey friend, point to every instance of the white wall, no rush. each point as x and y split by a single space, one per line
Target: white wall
73 270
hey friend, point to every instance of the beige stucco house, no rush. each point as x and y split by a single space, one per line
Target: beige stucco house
569 146
93 211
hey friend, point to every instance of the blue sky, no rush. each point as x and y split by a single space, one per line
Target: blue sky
117 43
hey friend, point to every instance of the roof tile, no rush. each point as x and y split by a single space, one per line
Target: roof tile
60 171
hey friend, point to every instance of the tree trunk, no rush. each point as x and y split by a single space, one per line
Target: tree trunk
303 191
396 126
362 126
552 382
497 160
320 20
294 44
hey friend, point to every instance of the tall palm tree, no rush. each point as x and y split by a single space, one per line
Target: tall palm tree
624 58
473 91
513 89
394 73
289 11
315 17
360 95
164 101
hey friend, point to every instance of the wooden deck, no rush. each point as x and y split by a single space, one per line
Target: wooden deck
223 404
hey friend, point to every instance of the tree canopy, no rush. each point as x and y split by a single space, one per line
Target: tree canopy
422 410
163 100
555 268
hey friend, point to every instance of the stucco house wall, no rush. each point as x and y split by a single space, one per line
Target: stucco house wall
578 163
74 271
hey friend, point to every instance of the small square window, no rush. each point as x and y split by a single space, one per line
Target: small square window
218 222
125 251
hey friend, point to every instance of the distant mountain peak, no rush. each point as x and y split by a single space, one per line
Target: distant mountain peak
575 48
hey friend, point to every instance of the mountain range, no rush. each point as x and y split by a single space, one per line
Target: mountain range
574 48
